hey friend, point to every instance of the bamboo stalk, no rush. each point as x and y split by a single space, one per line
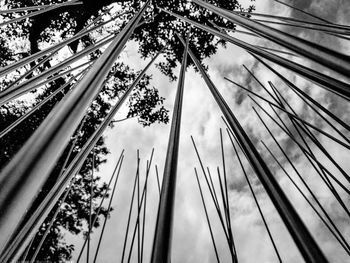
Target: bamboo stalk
161 251
207 217
29 8
109 207
255 200
35 13
304 12
131 207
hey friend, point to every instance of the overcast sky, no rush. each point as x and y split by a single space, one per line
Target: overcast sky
202 119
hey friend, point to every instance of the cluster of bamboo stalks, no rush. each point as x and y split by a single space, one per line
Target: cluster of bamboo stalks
24 176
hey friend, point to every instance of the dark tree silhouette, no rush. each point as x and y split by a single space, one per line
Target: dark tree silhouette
158 33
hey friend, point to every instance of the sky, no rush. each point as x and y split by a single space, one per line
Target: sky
201 118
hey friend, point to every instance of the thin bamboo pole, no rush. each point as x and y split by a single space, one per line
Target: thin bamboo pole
157 175
26 252
292 19
302 24
35 13
29 8
255 199
88 237
138 218
108 209
144 221
304 12
207 217
313 16
213 187
227 204
130 207
230 241
338 32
